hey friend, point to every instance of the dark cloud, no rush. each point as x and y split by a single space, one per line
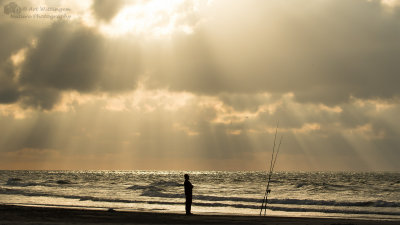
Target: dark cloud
248 101
14 37
106 9
69 56
40 98
8 87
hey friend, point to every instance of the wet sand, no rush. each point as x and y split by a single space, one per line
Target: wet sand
39 215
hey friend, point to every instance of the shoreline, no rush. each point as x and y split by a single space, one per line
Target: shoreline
16 214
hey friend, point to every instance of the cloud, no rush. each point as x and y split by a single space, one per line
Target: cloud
390 3
14 36
327 72
106 9
273 48
67 57
147 127
8 88
277 48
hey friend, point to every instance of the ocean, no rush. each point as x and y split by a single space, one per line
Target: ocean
369 195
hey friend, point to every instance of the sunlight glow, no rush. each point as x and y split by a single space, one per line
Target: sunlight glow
391 3
17 60
14 111
155 18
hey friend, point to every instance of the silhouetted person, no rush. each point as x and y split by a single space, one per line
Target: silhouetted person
188 194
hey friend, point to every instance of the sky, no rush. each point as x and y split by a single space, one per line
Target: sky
200 85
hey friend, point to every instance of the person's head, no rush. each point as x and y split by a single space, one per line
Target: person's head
186 176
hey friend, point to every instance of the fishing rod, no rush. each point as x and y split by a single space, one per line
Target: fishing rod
271 169
269 173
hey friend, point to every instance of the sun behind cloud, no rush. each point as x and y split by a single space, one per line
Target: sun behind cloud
155 18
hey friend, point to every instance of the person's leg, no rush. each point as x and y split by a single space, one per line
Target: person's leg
188 205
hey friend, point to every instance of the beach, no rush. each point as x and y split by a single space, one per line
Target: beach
371 196
11 214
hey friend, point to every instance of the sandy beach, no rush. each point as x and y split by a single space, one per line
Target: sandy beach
10 214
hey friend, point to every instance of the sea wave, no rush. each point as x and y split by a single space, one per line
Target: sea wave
166 183
318 186
17 182
64 182
146 187
155 188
